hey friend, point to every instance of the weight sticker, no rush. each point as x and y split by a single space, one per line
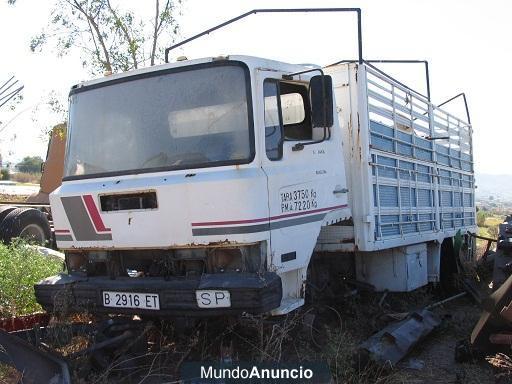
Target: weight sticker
298 200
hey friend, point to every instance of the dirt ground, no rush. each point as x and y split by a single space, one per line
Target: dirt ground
437 352
338 329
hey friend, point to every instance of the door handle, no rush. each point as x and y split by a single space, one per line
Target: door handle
340 190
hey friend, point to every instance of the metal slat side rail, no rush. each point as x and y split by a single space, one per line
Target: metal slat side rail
414 211
279 10
379 86
451 187
386 101
387 114
386 78
427 185
422 162
458 145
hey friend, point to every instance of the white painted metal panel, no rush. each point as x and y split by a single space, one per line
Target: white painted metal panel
401 269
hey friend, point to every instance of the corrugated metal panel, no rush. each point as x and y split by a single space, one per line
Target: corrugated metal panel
468 199
424 173
402 136
447 220
407 197
469 218
409 224
457 199
424 198
423 154
381 143
388 168
458 220
445 198
388 196
406 170
442 159
426 222
387 226
444 177
404 149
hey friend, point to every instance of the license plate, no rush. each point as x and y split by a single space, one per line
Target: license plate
131 300
213 299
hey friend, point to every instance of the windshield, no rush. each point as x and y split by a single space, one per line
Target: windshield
182 118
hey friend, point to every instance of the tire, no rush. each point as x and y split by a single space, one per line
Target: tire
29 224
4 211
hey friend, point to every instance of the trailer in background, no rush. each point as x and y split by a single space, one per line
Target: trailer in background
32 219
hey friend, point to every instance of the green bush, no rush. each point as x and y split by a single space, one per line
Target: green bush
4 174
480 218
20 268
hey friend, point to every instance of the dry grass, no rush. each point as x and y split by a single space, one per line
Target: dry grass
333 336
24 177
12 198
503 363
9 375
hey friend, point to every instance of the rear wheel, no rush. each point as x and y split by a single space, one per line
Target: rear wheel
29 224
4 211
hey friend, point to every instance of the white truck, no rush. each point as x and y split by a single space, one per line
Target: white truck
209 186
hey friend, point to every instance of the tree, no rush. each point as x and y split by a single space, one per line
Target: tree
30 164
109 38
4 174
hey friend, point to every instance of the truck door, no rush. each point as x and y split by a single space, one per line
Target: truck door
306 182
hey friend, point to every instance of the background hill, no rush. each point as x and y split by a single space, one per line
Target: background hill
498 186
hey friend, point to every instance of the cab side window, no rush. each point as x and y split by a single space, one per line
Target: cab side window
296 112
273 120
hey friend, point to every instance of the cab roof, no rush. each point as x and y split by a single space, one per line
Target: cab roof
251 61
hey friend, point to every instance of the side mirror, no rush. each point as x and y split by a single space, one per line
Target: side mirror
321 101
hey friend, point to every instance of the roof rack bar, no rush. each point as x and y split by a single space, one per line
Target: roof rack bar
278 10
385 61
463 95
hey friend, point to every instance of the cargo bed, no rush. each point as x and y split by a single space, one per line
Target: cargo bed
409 163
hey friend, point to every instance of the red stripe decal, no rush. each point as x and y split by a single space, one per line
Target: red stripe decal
94 213
61 231
212 223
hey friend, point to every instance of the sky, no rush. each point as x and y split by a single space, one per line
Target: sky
467 43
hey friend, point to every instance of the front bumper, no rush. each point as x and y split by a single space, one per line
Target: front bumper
250 292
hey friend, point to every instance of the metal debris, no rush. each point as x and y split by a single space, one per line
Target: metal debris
413 363
31 351
447 300
391 344
494 327
495 317
38 366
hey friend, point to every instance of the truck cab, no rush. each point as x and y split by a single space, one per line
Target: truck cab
198 187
